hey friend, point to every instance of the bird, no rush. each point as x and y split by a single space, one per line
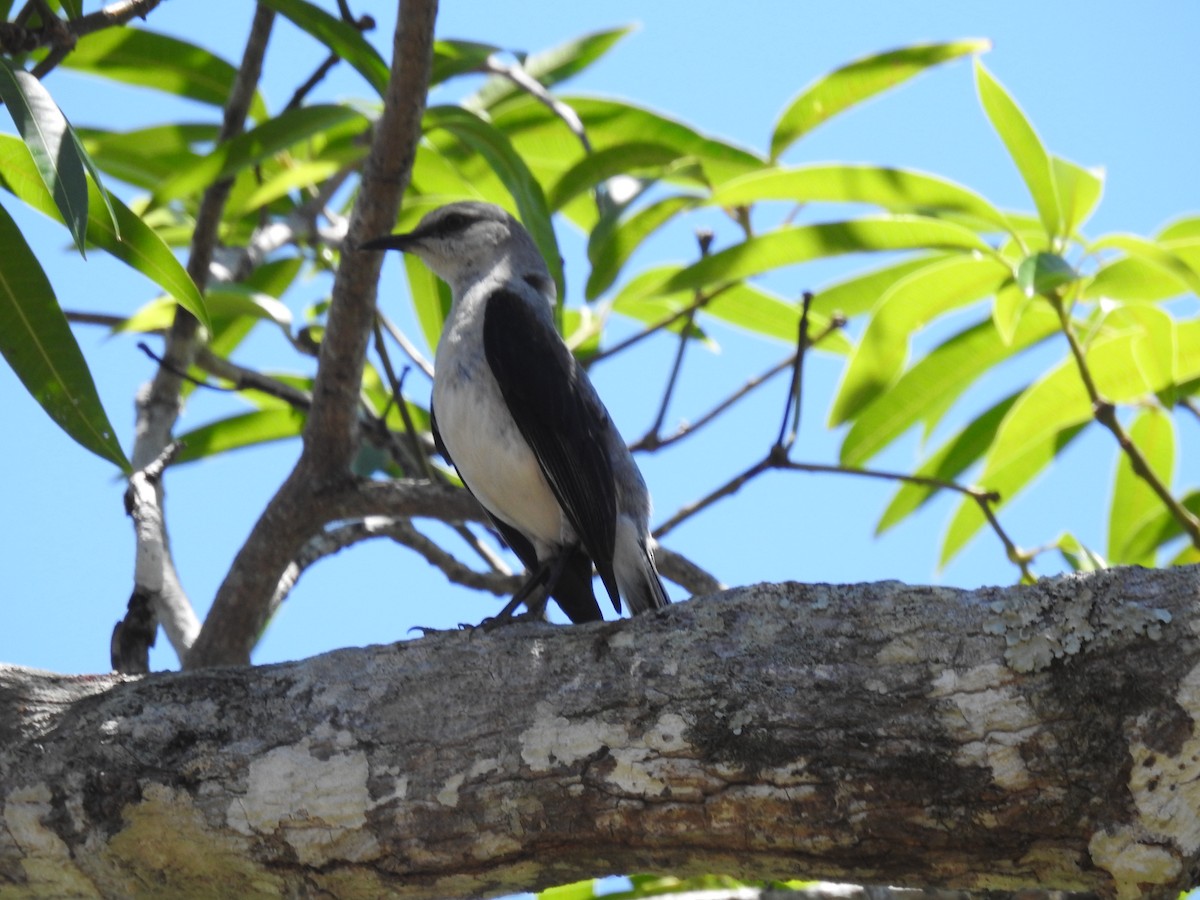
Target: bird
520 421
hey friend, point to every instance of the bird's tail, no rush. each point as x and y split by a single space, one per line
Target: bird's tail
633 566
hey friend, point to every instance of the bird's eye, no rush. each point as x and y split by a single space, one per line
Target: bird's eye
453 222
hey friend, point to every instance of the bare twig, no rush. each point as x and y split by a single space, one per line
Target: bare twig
537 90
1105 413
664 322
795 396
409 348
59 35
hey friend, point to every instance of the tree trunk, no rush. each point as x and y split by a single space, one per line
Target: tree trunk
1038 736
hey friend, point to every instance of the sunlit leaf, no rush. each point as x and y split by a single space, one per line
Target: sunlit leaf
550 66
1154 253
129 240
1079 191
37 343
931 386
858 81
898 190
343 39
251 147
58 157
792 245
1134 502
1079 557
244 430
1024 146
611 245
451 58
145 58
859 293
908 305
603 164
1159 528
946 464
430 298
495 147
1132 279
1187 228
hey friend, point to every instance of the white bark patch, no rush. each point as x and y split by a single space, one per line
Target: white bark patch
556 741
317 805
989 719
46 859
448 795
1131 862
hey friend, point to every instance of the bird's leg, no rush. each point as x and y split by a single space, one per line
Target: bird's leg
534 593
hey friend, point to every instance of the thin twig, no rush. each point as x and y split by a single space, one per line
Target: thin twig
397 386
665 322
526 82
409 348
786 439
1105 413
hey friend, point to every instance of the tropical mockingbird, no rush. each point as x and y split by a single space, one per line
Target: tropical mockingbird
522 424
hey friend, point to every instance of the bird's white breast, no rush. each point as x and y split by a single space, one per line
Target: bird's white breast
488 450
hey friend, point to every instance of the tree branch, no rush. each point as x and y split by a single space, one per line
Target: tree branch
331 433
1041 736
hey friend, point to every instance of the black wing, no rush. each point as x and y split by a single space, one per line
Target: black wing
573 593
541 385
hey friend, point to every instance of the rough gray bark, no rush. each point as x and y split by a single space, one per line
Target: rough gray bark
1039 736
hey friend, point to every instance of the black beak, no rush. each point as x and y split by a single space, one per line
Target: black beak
400 242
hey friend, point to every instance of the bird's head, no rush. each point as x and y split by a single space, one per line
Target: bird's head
463 241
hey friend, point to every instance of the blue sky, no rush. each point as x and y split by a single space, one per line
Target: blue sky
1106 84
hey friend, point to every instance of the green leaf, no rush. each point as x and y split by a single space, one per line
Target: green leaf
604 164
147 59
613 241
1079 191
1130 279
145 156
1024 146
54 149
495 147
931 386
224 302
946 464
858 294
1153 253
906 306
538 134
792 245
1161 528
1044 274
343 39
858 81
897 190
550 66
236 432
252 147
1154 338
130 239
1078 556
451 58
1133 501
1008 307
579 890
37 342
1187 228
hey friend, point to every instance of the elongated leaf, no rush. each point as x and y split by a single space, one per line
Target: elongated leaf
946 464
538 134
54 149
1131 279
550 66
858 294
1154 253
1078 556
236 432
603 164
931 386
1079 191
611 244
1024 146
430 298
129 240
452 58
1154 338
858 81
1133 500
224 301
1160 528
496 148
908 305
146 156
147 59
789 246
343 39
253 146
1187 228
37 343
898 190
301 175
